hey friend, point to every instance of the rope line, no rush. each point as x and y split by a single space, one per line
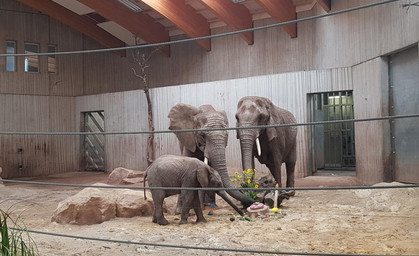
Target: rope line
218 129
195 247
206 37
208 189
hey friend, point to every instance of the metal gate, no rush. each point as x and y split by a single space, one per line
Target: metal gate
404 99
94 144
334 144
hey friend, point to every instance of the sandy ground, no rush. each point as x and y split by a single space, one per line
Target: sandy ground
343 221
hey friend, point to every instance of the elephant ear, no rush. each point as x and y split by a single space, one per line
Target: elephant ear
203 175
182 117
273 119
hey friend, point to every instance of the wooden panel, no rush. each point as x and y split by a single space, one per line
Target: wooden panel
287 90
184 17
325 4
372 139
337 41
68 79
282 11
40 155
80 23
235 15
140 24
124 111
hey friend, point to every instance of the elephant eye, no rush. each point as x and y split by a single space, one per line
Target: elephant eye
201 139
237 117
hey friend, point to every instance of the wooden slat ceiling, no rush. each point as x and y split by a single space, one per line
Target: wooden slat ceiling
112 24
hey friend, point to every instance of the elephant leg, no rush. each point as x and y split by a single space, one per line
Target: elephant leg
179 205
290 177
197 208
187 201
276 172
158 198
209 198
154 214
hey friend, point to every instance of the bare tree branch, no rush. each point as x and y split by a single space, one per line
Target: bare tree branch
140 71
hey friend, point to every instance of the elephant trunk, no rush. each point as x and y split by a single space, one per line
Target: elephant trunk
218 162
227 199
247 142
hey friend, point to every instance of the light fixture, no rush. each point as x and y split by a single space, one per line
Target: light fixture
131 5
237 1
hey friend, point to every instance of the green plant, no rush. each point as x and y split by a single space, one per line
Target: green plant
15 240
247 180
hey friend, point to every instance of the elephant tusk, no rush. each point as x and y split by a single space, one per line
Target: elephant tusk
205 160
258 147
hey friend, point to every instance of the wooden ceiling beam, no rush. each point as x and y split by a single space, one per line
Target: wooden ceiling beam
82 24
184 17
325 4
236 16
282 11
139 24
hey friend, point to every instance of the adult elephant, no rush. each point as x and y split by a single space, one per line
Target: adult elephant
208 146
271 146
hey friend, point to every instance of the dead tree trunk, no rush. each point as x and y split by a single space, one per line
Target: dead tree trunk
141 62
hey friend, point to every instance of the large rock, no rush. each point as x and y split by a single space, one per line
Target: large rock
130 203
121 176
96 205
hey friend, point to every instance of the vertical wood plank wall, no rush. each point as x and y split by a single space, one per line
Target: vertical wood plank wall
127 111
288 90
372 139
41 155
337 41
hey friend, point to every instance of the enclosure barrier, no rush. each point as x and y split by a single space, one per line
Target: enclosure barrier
253 127
207 189
217 129
197 247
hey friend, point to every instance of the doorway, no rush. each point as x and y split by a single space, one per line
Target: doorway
333 144
93 145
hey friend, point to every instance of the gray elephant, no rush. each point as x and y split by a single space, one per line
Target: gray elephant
271 146
181 171
208 146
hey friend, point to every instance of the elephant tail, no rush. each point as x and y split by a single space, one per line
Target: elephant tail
145 194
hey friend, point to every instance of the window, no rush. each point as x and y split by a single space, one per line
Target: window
31 62
52 63
10 60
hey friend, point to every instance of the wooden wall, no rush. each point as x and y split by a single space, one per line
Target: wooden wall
41 155
372 139
336 53
337 41
126 111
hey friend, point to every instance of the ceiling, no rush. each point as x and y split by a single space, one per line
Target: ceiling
113 23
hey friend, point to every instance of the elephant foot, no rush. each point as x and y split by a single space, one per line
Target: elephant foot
201 220
162 222
183 222
290 192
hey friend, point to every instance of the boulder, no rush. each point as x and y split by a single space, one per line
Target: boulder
96 205
123 176
130 203
89 206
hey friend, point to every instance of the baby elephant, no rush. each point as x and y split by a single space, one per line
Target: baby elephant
182 171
